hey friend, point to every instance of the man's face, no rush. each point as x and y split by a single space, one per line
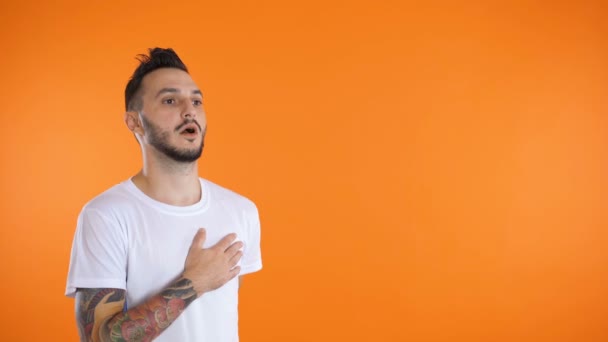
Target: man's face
172 114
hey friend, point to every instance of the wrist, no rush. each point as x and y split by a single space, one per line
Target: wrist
197 287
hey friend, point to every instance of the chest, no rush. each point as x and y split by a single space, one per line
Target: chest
158 244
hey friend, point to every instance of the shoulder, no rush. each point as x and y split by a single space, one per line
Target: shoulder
104 218
227 196
110 202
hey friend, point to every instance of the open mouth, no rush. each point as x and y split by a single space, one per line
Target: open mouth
189 129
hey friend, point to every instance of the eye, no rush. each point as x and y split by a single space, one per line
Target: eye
197 103
169 101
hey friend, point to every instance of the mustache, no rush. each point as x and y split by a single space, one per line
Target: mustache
186 122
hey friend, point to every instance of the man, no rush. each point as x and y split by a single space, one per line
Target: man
157 257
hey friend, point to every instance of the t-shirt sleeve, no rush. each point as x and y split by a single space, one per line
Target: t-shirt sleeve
99 253
252 256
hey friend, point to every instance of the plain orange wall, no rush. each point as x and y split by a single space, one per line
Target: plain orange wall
431 172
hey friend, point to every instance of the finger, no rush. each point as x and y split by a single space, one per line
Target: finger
234 272
225 242
235 258
234 248
199 238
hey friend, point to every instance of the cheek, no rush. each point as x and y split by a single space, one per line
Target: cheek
202 120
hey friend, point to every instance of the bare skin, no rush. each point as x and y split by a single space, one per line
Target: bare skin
170 99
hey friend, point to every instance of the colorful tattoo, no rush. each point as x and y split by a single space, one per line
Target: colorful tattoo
141 323
94 307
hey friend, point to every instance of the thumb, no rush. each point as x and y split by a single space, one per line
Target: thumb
199 238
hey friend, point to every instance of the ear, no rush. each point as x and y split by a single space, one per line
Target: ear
133 123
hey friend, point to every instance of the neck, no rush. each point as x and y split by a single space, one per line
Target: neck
168 181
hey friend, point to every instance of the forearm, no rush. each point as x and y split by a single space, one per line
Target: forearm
101 318
147 320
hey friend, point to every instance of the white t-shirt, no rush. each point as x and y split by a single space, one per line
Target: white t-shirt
126 240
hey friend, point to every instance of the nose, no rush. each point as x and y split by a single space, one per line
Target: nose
189 111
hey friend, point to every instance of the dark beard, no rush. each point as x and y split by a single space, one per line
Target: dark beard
159 139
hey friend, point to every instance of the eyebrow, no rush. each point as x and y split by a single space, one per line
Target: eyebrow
175 90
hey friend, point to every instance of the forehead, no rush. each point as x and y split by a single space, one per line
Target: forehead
167 78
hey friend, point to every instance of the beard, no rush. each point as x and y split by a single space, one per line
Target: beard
160 141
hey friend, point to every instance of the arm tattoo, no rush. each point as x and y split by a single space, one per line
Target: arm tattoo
148 320
94 307
145 321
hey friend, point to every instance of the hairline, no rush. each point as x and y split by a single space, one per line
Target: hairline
136 104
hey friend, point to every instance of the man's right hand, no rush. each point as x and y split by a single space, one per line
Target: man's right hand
210 268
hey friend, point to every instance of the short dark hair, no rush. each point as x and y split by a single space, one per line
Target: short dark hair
158 58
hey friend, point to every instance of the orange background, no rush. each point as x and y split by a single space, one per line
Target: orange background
431 172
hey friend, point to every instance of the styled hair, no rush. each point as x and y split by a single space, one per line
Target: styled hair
158 58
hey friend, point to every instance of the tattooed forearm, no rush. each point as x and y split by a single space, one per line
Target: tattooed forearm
180 289
147 320
94 307
143 322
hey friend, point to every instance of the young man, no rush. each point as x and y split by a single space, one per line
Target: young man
157 257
